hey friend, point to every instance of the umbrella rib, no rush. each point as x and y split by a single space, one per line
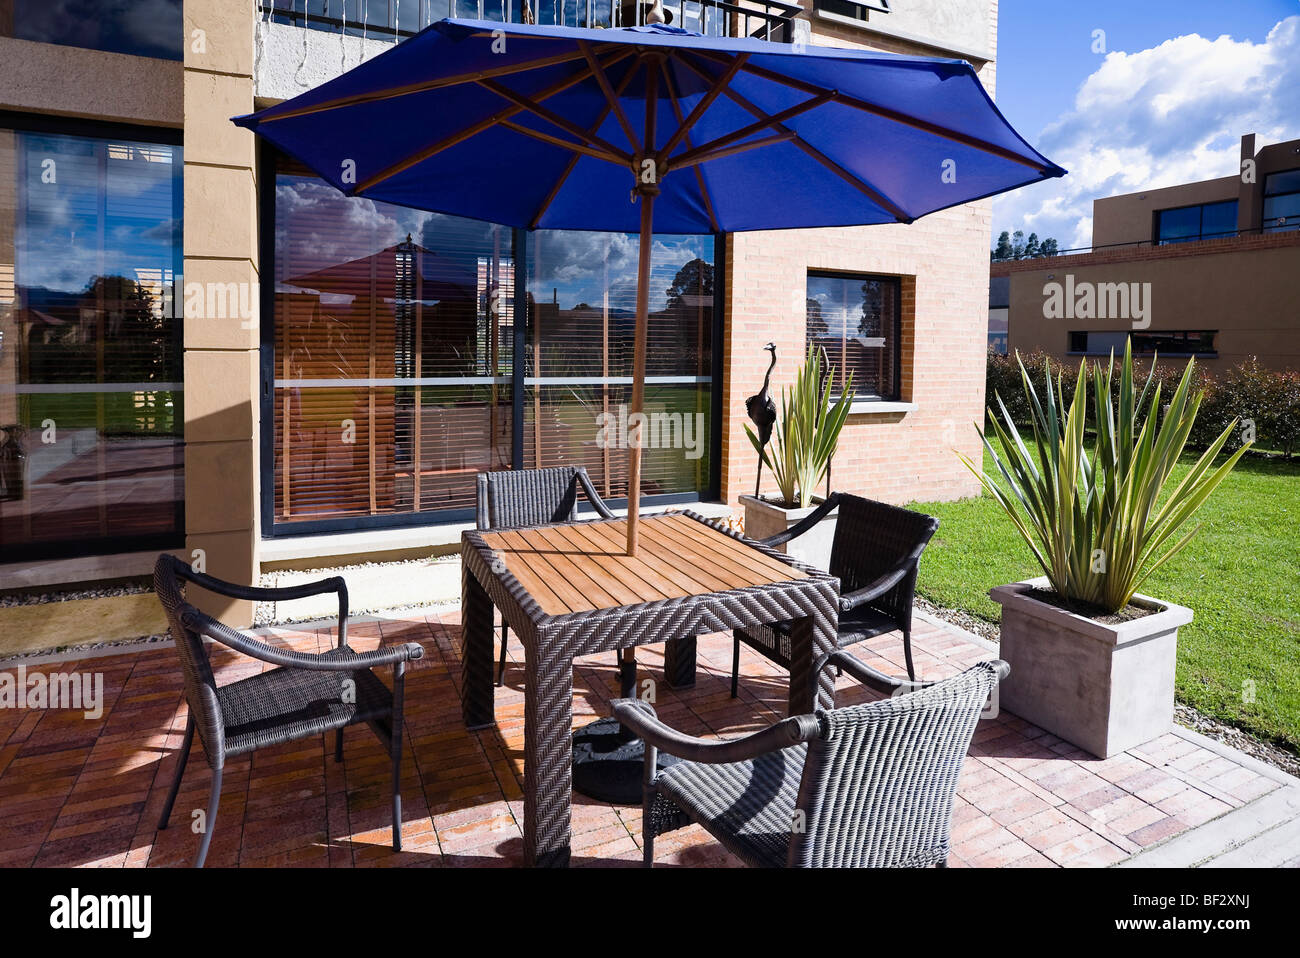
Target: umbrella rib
598 71
424 86
573 160
686 138
605 148
560 141
700 154
849 177
706 101
888 114
696 157
462 135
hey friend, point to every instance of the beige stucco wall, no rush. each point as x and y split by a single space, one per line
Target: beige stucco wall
1244 288
222 480
58 80
1129 218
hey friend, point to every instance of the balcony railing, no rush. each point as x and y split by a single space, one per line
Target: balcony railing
394 20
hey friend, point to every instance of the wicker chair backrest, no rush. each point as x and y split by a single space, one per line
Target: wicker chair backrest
870 539
527 497
878 785
169 577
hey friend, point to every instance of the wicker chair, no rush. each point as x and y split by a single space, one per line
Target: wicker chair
301 698
870 785
520 498
876 553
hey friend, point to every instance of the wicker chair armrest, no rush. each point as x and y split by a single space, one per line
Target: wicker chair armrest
640 718
879 586
592 495
205 625
861 672
257 593
806 523
887 684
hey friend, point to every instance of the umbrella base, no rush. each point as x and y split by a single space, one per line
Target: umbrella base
609 761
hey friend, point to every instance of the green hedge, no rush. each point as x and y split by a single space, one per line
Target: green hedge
1247 392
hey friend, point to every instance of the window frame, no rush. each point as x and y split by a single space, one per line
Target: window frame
271 528
851 275
17 121
1200 223
1183 335
1279 228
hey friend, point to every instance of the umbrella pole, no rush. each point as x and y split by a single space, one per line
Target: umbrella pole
636 434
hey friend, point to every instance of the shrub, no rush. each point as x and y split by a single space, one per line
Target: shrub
1264 402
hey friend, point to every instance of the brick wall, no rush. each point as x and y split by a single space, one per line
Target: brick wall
943 262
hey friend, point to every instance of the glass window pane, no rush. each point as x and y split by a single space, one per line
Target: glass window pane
118 26
394 351
580 339
90 394
1219 219
855 320
1285 182
1282 213
1178 226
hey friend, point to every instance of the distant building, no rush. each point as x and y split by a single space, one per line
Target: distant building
1208 269
999 303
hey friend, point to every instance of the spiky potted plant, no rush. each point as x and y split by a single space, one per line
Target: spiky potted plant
799 457
1092 659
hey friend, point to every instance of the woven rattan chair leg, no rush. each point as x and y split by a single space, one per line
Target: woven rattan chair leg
735 663
210 823
907 654
180 770
501 664
395 746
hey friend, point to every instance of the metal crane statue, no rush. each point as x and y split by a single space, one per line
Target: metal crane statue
762 413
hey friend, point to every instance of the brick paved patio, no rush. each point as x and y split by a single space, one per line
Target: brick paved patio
88 792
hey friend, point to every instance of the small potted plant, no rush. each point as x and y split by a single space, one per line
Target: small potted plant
806 435
1092 659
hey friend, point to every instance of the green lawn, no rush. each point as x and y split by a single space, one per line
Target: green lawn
1241 575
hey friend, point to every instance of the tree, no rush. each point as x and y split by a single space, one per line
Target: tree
1048 247
1018 245
696 278
1031 246
1002 251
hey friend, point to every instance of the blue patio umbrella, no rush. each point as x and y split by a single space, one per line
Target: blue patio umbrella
652 128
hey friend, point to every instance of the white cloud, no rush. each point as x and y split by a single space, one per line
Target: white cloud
1171 114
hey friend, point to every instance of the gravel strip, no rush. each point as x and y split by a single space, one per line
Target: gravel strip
14 599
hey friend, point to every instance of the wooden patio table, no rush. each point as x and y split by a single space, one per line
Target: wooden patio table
570 589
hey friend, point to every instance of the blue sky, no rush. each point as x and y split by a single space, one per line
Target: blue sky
1166 103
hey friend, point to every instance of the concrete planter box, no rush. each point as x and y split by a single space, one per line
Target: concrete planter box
1104 688
764 518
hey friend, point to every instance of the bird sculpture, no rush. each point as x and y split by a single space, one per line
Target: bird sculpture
762 413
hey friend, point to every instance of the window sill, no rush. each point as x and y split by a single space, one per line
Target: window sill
876 407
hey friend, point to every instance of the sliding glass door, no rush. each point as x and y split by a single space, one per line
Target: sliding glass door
395 379
91 454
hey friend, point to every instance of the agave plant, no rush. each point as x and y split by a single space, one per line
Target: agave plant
1100 524
807 430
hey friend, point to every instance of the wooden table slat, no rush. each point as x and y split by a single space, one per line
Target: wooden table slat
519 553
583 567
721 558
578 553
747 553
633 571
696 558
